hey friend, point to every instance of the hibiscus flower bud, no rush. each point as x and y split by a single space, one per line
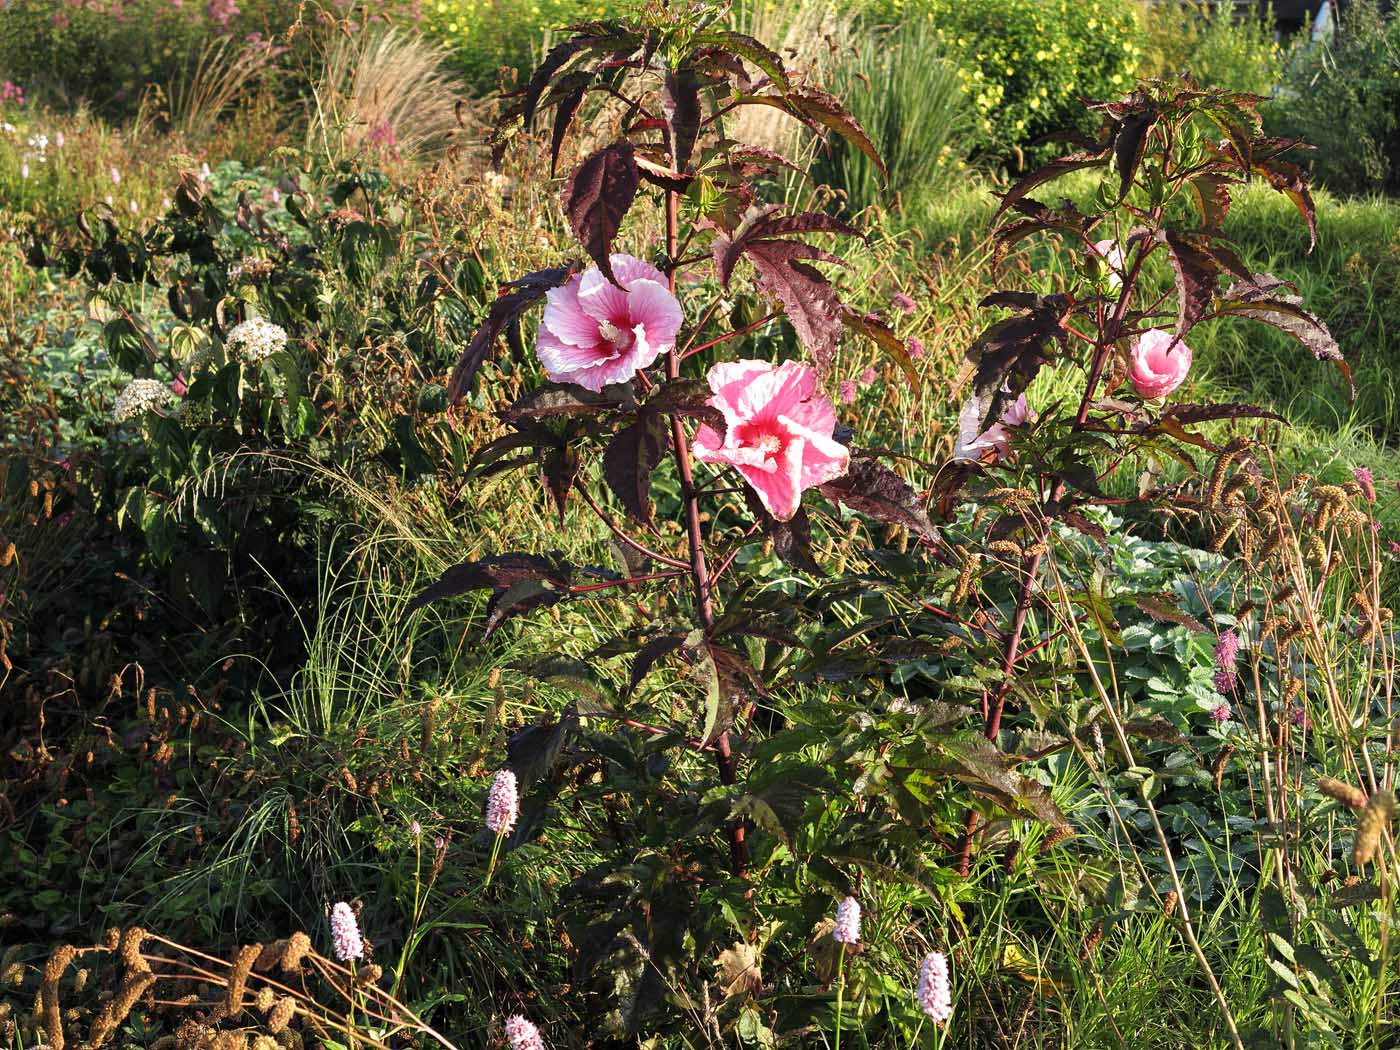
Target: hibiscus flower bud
1160 362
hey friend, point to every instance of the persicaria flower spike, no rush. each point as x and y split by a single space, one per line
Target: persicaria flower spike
1227 652
1160 362
522 1035
1367 482
1221 712
778 431
502 803
594 332
345 933
935 998
847 928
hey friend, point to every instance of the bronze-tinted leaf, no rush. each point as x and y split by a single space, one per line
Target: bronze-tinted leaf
1196 271
809 301
883 336
596 198
874 490
680 102
1267 298
629 461
1047 172
516 297
566 399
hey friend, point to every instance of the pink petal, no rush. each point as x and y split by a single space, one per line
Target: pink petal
655 316
776 391
600 298
823 458
565 318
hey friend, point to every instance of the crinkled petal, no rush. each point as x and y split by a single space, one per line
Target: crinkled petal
566 318
652 307
778 485
823 458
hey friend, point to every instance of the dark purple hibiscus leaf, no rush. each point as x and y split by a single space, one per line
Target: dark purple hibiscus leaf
629 460
1050 171
1038 218
1185 413
809 301
719 44
1197 272
1006 357
680 102
597 196
498 572
871 488
1129 143
689 398
516 297
1211 192
792 539
1266 298
821 111
567 399
883 336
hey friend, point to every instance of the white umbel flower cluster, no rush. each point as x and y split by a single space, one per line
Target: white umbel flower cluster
256 339
139 397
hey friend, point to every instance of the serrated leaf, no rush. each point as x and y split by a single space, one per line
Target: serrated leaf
629 460
874 490
597 197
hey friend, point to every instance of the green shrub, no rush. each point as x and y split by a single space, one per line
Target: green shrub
1343 96
487 35
1028 63
1184 36
921 119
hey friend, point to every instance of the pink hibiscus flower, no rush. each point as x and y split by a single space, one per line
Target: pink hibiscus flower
996 438
777 431
1160 362
595 332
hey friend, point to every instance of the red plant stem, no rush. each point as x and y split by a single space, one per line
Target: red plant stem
1032 566
622 536
699 571
730 335
735 552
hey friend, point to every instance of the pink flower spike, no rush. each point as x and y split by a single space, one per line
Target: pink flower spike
522 1035
1367 482
847 928
903 303
1225 680
935 998
594 332
915 346
778 431
345 933
848 392
1160 362
1227 651
502 803
1220 712
415 829
869 376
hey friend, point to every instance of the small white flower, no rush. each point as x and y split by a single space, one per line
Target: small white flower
139 397
134 207
24 170
116 177
256 339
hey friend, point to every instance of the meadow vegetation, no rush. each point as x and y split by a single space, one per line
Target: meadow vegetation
373 672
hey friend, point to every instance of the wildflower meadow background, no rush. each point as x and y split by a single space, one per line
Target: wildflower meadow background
697 524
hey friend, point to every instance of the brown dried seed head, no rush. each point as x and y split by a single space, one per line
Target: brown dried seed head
267 958
965 577
265 1000
238 978
1091 942
281 1015
348 779
12 975
50 1012
1375 818
1343 792
298 948
264 1042
115 1011
227 1040
1169 903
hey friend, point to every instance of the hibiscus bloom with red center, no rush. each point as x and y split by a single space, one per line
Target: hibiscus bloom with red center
778 431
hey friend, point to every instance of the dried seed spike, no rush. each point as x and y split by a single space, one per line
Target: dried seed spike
115 1010
132 958
298 948
1271 546
965 576
1091 942
1008 547
267 958
1060 834
1375 818
348 779
264 1000
1169 903
1223 537
264 1042
229 1040
1343 792
1221 763
1283 594
281 1015
58 962
1233 493
427 729
238 978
